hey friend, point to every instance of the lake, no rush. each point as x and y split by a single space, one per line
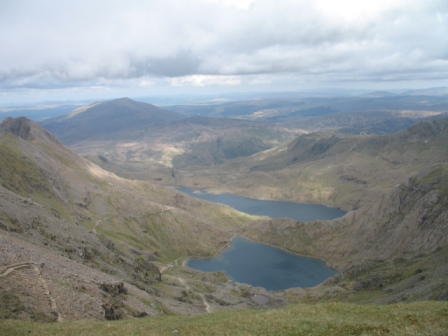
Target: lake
274 209
261 265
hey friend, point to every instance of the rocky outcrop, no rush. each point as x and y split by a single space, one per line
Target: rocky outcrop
27 130
114 289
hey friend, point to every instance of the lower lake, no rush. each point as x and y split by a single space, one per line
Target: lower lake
261 265
274 209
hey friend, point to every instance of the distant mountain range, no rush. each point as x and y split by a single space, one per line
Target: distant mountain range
418 103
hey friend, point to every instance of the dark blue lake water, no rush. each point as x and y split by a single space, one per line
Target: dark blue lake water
261 265
274 209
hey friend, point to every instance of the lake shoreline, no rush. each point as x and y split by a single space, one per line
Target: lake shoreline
302 271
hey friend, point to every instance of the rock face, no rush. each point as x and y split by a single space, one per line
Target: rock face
151 271
20 127
109 313
114 289
112 308
27 130
411 220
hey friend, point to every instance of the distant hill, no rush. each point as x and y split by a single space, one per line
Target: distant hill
364 122
378 104
108 118
438 91
378 94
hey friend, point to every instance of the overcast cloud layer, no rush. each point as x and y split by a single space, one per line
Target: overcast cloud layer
105 43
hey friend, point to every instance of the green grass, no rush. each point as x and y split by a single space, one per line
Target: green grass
22 175
421 318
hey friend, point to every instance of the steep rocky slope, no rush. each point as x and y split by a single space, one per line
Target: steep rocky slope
96 245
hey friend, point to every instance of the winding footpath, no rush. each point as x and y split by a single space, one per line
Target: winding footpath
98 223
184 284
11 268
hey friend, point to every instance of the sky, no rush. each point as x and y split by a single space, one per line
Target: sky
88 49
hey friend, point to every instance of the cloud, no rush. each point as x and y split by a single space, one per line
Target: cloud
204 80
50 43
146 83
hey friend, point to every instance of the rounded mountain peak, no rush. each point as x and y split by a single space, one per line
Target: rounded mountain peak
107 119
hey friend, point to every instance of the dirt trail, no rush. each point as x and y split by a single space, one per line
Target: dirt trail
11 268
187 287
184 284
176 262
206 304
98 223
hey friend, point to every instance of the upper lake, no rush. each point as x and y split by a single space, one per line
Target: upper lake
274 209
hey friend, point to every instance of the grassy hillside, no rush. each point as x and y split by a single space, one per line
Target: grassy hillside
332 319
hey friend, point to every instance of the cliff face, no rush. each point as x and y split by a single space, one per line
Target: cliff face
27 130
424 205
412 219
